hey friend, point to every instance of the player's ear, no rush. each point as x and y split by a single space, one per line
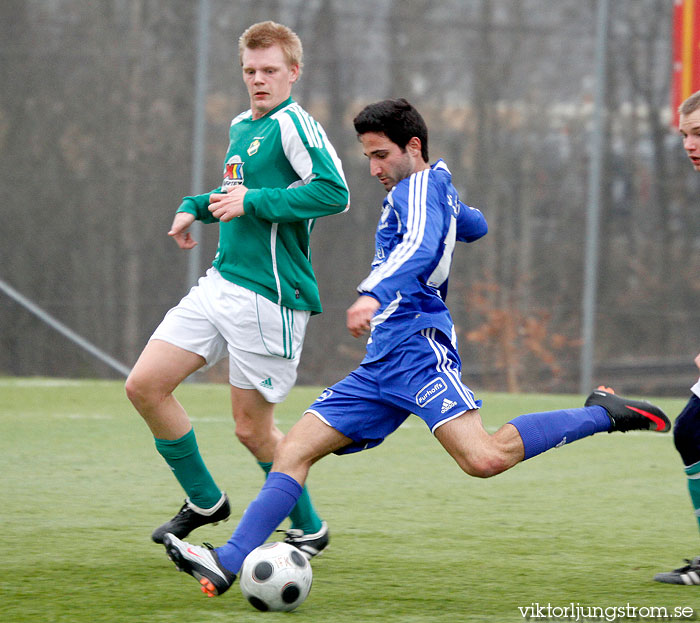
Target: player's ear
294 70
414 145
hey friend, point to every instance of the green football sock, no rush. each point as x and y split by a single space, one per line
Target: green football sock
693 473
182 455
303 515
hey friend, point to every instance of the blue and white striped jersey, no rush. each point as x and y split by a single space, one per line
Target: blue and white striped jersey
422 218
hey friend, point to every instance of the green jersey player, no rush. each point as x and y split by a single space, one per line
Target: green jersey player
686 429
280 174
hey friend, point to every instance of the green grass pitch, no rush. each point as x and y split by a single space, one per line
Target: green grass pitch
412 538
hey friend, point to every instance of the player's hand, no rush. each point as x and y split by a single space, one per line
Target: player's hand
179 230
228 206
360 314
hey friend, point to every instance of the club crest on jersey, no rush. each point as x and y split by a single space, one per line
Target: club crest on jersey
253 147
233 172
431 391
326 393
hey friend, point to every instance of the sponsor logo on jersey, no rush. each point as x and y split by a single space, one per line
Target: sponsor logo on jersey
447 404
253 147
233 172
430 391
267 383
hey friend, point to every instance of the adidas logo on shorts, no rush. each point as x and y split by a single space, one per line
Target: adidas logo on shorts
447 404
267 383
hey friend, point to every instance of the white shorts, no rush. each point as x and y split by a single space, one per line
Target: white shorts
263 339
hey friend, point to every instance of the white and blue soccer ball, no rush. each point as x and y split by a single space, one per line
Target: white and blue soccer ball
275 577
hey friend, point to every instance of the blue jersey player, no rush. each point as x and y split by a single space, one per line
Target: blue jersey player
412 364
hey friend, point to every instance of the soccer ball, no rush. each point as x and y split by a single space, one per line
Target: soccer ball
275 577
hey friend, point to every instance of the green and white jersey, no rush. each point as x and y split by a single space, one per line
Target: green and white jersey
293 176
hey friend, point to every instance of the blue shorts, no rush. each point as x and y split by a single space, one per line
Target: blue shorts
420 376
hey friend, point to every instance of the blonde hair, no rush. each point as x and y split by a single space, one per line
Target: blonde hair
690 105
267 34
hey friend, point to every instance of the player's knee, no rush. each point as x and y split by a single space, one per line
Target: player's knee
289 457
253 438
484 465
284 454
143 392
246 436
136 390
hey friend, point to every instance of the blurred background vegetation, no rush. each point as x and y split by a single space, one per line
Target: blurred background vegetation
96 131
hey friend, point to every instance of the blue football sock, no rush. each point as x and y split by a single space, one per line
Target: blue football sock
551 429
303 516
267 511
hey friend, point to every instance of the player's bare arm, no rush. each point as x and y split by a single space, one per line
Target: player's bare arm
228 206
360 314
179 230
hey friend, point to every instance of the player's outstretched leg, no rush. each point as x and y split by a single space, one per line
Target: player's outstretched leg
688 575
202 563
190 517
603 412
626 414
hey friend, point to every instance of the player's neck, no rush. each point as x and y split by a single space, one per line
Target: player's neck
421 166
